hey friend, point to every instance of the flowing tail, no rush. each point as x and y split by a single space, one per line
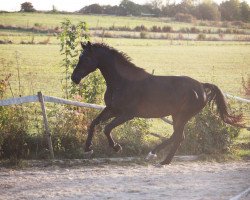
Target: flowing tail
215 94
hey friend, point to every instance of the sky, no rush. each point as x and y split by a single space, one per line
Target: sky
66 5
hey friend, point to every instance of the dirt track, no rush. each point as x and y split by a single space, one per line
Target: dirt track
181 180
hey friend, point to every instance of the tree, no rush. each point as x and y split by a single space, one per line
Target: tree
230 10
157 4
208 11
245 11
54 9
130 7
93 8
27 7
186 7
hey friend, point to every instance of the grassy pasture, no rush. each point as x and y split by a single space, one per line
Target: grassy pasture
53 20
221 63
95 21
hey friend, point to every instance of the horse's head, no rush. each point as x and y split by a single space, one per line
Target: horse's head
87 63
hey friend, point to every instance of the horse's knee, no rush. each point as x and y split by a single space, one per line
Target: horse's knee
107 130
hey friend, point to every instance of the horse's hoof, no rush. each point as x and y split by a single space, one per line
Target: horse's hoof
117 148
165 163
151 156
159 165
87 154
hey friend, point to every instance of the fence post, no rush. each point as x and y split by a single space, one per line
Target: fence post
46 124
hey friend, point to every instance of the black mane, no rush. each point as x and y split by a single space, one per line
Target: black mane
125 67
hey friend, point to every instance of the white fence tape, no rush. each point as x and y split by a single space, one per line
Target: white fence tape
237 98
19 100
34 98
75 103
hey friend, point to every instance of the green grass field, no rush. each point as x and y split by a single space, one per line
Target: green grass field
54 20
50 20
223 64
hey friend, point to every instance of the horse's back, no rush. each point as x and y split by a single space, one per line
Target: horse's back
163 95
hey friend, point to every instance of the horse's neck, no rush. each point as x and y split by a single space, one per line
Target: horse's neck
109 73
116 71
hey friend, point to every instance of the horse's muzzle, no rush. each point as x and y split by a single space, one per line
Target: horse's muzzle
75 79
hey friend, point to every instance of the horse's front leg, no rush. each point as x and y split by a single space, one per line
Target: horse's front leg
114 123
103 116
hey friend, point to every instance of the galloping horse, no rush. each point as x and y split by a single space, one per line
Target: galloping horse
132 92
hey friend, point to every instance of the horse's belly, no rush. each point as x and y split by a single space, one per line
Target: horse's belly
153 111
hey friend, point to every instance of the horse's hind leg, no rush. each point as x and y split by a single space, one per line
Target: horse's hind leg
179 122
114 123
103 116
178 137
152 154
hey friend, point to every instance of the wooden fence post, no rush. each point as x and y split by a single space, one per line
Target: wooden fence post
46 124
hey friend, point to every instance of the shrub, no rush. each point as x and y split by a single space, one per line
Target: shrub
203 23
13 127
194 30
240 24
143 35
201 36
38 25
181 17
14 132
207 133
167 29
140 28
156 29
69 127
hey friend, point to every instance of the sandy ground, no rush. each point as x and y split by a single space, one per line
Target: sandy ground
180 180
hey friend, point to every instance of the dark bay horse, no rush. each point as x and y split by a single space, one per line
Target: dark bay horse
132 92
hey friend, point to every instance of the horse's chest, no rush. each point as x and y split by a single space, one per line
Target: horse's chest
123 96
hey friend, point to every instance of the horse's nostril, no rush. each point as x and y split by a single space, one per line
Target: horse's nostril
75 79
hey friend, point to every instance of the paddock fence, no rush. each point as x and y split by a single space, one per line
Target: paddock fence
43 98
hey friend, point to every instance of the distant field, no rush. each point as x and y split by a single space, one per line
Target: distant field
53 20
95 21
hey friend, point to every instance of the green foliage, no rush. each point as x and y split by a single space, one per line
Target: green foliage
143 35
208 11
183 17
92 88
13 127
131 136
70 38
201 36
207 133
68 126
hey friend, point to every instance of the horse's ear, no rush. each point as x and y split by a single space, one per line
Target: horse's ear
86 45
83 44
89 43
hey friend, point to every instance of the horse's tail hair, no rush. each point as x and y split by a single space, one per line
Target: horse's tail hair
216 95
